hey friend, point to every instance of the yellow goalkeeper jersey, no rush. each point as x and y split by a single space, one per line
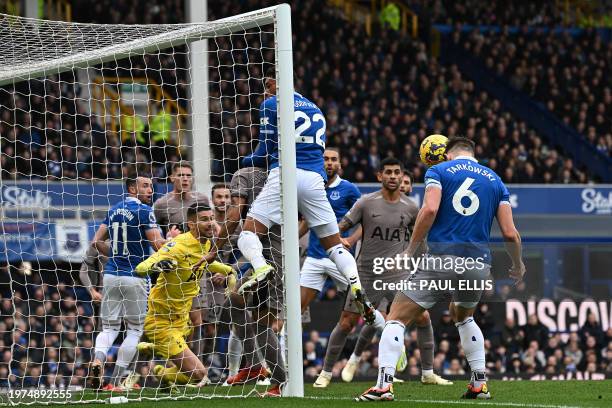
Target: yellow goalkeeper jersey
173 293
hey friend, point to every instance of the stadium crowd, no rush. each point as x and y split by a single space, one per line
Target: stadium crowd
511 350
499 12
566 73
382 102
494 12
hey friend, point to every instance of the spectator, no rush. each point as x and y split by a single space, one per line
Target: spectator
592 328
534 331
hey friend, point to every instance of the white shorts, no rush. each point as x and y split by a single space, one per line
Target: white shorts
312 201
315 271
124 298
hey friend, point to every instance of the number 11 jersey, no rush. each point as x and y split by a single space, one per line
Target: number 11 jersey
127 223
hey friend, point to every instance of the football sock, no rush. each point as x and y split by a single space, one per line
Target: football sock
354 358
104 342
208 343
272 353
365 339
234 353
118 373
125 355
472 342
425 342
197 342
251 248
379 320
336 343
244 330
344 262
389 351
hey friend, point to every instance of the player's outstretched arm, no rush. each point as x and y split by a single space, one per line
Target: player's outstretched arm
512 241
163 260
425 218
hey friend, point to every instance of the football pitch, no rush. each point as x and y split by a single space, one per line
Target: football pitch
542 394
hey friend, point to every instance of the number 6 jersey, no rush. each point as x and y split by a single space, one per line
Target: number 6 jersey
471 195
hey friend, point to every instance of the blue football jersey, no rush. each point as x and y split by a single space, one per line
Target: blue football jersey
309 135
127 223
471 195
341 194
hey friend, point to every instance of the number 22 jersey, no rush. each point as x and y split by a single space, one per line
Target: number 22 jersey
310 138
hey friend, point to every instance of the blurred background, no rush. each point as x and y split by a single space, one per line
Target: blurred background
529 82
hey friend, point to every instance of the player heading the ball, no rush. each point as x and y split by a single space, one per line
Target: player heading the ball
312 200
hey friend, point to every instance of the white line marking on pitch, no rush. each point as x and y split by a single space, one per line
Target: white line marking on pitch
466 402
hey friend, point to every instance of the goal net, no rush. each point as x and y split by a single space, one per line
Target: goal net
85 108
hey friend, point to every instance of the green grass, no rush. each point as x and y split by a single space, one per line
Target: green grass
543 394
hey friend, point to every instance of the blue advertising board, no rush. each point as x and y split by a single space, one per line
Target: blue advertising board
526 199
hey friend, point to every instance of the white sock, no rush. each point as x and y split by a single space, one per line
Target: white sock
389 351
234 353
251 248
379 320
105 340
326 373
354 358
472 342
427 373
344 262
127 350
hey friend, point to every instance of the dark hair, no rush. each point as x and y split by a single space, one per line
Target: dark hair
460 142
410 175
195 208
333 149
217 187
390 161
132 180
180 164
270 72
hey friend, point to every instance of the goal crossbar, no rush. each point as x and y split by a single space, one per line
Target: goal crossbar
175 35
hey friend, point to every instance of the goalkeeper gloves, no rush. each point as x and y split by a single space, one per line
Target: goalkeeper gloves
166 265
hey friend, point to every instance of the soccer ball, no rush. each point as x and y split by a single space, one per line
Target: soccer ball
432 149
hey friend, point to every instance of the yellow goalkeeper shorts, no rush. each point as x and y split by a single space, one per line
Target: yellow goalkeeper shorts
168 337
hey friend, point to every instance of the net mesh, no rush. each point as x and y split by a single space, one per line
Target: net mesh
83 108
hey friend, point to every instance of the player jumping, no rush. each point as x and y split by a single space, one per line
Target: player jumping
461 199
312 200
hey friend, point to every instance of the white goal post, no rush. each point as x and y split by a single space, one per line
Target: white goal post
37 49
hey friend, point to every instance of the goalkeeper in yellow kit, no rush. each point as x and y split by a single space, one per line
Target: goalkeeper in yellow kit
167 320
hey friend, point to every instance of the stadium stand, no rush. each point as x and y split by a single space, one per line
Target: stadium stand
501 13
565 72
375 108
381 110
